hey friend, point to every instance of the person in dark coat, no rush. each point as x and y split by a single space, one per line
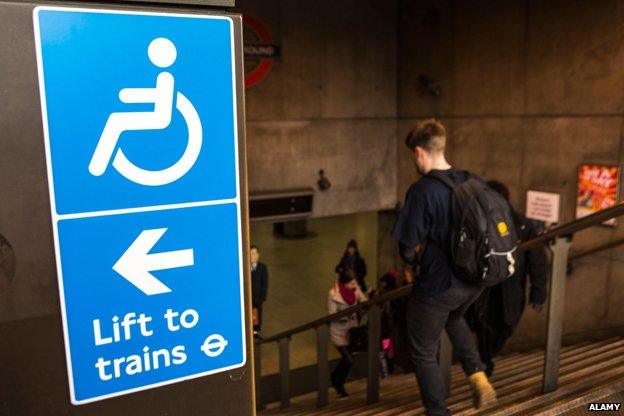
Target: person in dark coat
351 259
259 287
392 319
495 315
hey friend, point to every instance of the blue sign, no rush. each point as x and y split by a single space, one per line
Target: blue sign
140 122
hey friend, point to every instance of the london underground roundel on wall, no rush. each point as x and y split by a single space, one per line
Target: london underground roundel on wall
260 51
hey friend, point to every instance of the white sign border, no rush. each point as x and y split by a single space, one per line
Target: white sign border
56 217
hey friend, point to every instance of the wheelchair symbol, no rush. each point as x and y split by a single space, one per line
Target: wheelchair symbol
162 53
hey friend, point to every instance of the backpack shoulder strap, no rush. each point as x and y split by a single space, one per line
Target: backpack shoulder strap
445 179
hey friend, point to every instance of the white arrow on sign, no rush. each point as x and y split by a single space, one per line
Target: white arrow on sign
136 263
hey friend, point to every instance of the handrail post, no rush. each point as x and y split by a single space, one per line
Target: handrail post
445 359
560 248
258 373
374 342
284 365
322 364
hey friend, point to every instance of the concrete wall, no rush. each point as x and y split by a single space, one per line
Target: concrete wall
529 90
329 103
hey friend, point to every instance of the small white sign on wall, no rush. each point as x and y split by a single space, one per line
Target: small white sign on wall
543 206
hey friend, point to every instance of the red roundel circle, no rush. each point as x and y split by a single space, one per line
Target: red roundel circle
256 74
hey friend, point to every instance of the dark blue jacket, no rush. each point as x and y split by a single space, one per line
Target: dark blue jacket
259 285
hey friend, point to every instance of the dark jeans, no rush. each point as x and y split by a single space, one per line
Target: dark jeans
341 372
427 316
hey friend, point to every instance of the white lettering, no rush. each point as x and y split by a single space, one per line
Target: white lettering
604 407
169 315
97 333
116 336
161 353
146 358
194 318
126 323
143 320
137 364
117 362
122 330
179 356
101 366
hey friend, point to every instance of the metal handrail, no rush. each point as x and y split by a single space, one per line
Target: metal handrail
574 226
561 231
397 293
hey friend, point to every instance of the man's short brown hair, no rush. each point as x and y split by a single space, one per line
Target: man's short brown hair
428 134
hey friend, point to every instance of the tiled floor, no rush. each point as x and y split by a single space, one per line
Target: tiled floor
301 271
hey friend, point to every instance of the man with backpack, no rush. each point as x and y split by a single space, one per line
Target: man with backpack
457 233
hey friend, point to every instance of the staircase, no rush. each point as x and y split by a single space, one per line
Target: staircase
589 372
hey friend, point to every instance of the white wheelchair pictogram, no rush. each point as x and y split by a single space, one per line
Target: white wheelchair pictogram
162 53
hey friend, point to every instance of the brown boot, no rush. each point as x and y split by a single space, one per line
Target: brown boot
482 391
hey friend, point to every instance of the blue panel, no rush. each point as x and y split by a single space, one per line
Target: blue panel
87 58
144 195
90 246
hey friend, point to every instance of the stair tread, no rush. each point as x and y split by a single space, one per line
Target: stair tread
517 379
359 386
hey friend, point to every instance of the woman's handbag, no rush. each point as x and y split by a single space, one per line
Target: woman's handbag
358 338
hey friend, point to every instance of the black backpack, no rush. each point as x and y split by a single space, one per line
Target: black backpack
484 242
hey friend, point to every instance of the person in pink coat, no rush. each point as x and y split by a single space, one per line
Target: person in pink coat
345 293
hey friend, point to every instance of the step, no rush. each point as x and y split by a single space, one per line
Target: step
461 393
410 390
517 379
526 387
556 402
606 393
388 391
583 377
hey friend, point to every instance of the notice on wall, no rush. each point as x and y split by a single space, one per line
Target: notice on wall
598 187
543 206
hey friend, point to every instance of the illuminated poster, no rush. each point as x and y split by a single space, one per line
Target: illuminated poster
597 189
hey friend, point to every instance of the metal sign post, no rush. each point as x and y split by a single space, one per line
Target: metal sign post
560 247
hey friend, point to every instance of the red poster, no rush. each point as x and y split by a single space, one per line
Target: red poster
598 187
